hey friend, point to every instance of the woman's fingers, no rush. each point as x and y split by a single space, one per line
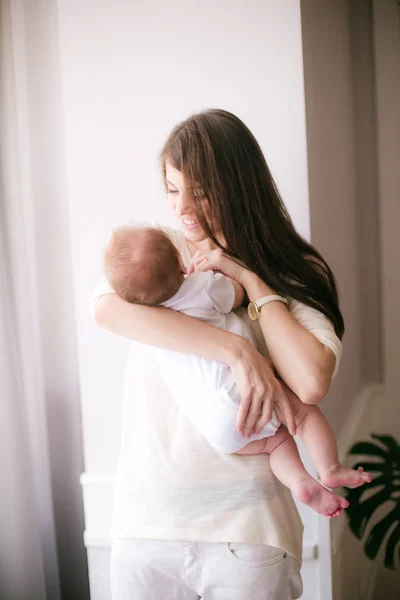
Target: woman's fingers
206 261
243 411
252 417
199 262
260 412
215 260
251 372
266 415
260 393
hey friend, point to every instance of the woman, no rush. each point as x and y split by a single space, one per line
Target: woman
190 523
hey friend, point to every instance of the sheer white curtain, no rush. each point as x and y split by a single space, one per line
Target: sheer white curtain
41 515
28 557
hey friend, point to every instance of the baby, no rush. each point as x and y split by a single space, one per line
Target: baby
144 267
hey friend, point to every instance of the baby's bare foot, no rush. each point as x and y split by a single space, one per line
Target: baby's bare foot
342 477
320 499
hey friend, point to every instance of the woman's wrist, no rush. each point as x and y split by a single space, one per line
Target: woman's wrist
234 351
255 287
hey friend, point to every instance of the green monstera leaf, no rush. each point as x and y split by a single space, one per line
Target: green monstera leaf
386 489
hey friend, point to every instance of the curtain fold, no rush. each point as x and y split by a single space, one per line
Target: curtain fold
28 555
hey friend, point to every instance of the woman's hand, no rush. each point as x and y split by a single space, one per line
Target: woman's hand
255 379
216 260
259 390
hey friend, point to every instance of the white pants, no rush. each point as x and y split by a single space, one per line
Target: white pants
175 570
206 393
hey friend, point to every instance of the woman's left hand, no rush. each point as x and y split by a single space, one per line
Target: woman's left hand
216 260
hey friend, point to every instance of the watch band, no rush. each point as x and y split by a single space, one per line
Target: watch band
255 306
273 298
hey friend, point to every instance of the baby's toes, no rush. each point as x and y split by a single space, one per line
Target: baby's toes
341 505
367 477
337 513
344 503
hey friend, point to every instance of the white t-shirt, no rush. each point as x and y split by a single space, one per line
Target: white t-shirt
205 390
171 484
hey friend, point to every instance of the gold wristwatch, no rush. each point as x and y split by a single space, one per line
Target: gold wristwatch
254 307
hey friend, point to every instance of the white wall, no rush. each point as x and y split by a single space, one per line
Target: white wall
386 420
386 17
130 72
335 180
329 94
367 212
352 96
129 75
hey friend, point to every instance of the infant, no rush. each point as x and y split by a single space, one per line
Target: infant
144 267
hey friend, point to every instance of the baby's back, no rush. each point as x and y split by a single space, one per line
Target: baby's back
205 390
210 296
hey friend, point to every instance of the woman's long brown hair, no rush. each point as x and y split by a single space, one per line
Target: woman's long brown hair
223 163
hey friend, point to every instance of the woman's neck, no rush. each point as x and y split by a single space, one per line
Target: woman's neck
203 246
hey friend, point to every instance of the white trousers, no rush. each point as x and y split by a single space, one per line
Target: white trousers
206 393
176 570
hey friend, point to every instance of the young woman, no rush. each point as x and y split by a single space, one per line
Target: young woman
189 523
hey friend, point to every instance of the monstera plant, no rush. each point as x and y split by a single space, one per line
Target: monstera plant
385 488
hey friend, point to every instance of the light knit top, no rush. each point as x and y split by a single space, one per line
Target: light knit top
171 484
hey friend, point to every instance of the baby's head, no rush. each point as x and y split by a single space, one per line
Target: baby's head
143 265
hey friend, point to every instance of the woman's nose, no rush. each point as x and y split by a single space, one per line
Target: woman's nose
183 205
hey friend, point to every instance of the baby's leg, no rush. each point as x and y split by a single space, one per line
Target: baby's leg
286 464
320 442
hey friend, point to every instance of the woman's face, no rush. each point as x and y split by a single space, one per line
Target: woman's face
181 200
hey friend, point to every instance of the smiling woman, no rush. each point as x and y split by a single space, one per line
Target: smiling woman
214 152
184 201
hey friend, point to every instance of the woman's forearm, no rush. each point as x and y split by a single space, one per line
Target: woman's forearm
166 328
303 363
157 326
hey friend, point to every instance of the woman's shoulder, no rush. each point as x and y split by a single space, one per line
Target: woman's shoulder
319 325
304 312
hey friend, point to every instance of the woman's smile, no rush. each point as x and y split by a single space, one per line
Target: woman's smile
189 223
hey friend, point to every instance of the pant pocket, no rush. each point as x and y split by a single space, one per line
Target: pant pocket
261 572
256 555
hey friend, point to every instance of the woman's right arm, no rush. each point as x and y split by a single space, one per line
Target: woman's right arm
166 328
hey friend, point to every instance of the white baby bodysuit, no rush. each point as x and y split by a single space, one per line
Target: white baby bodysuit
205 390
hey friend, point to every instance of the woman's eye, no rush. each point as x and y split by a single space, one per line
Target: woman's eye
172 191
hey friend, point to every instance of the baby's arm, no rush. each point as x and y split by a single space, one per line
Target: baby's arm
225 293
239 293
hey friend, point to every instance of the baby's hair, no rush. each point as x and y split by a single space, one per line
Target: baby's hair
142 265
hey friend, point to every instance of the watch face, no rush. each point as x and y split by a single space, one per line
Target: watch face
253 311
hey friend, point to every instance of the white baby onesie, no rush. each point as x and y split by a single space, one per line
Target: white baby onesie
205 390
